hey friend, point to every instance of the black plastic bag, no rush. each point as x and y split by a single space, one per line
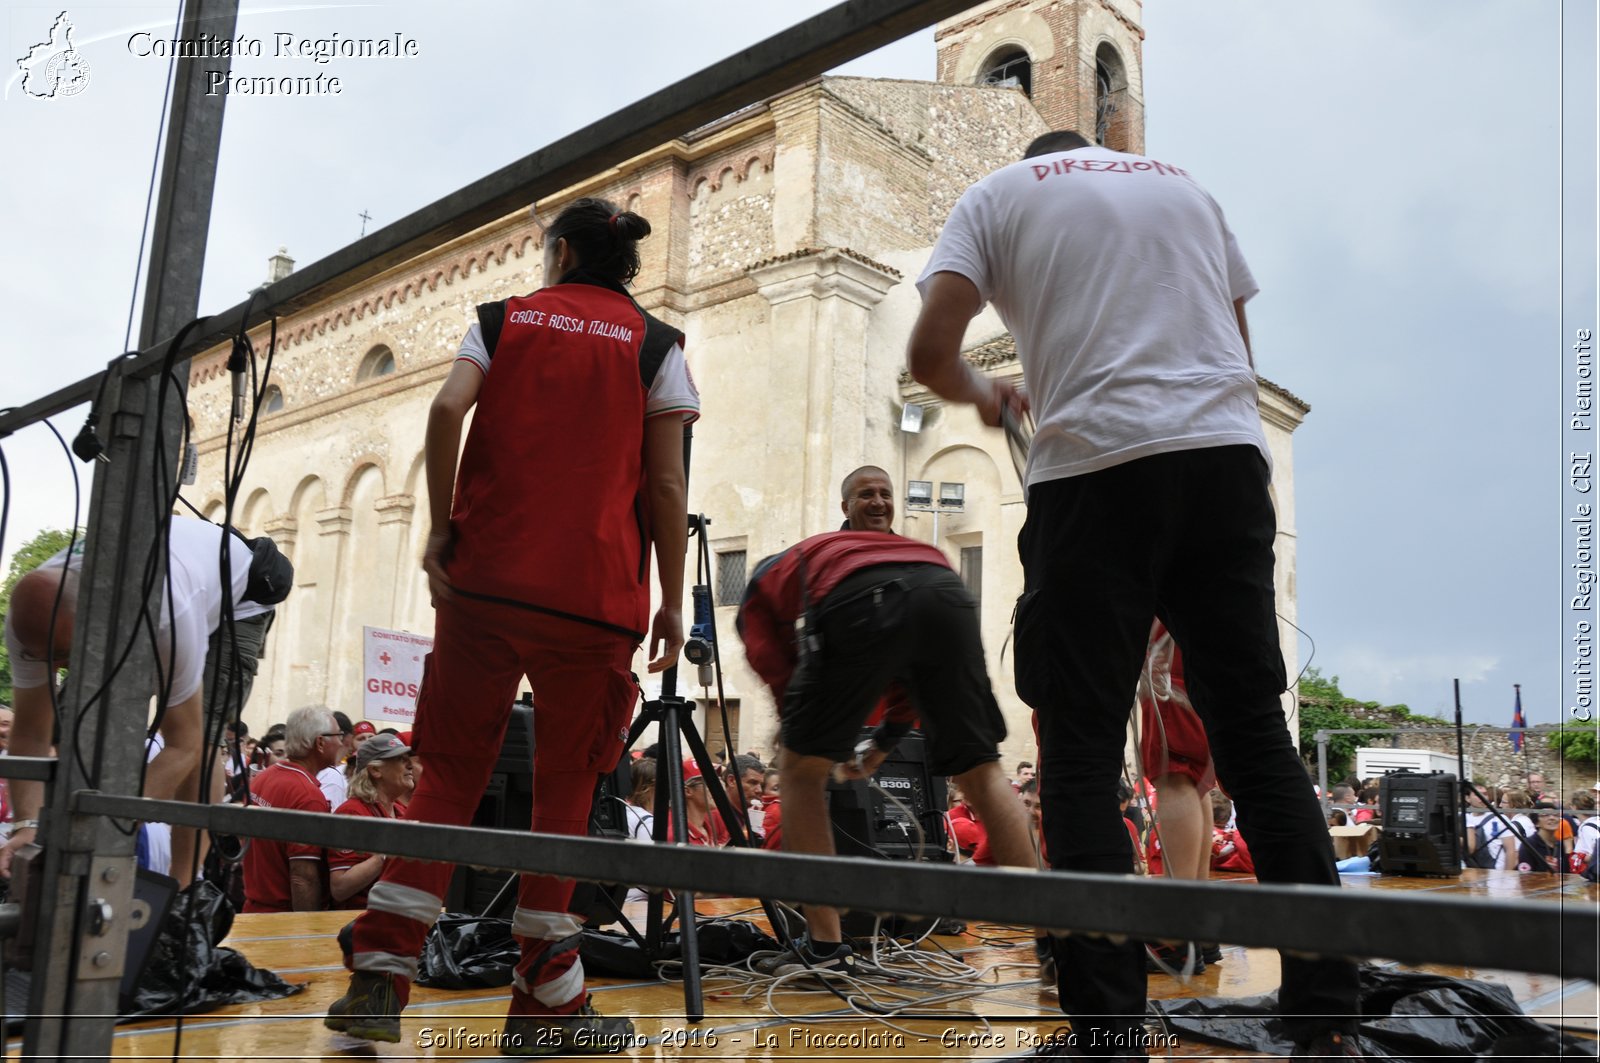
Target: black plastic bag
189 972
1406 1015
723 942
468 952
474 952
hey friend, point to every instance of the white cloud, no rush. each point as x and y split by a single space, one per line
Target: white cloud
1373 673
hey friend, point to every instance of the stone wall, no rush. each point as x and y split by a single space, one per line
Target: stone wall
730 213
965 132
1494 761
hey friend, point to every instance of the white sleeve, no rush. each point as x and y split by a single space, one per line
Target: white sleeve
673 390
962 247
1241 282
1587 840
473 350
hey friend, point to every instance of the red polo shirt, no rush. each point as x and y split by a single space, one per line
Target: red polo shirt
266 862
345 859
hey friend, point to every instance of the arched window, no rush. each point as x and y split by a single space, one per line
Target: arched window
272 399
1110 89
378 362
1009 68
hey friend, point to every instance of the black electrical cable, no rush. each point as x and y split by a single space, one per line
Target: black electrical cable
150 188
160 543
5 502
232 704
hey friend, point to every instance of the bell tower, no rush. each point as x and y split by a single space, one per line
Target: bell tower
1079 61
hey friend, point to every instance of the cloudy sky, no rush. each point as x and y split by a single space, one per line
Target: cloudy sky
1391 169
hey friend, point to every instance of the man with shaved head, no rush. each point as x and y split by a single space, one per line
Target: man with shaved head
199 664
867 499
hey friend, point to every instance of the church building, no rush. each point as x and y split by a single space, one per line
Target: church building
786 239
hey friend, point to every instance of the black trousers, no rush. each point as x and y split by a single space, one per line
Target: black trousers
1187 537
912 624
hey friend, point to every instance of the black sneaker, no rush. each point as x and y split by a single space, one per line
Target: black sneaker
585 1032
1211 954
1175 960
370 1008
842 960
1330 1044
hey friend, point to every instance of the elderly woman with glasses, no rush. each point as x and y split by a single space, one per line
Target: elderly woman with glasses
382 780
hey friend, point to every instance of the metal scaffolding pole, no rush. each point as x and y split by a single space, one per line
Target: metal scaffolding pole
88 866
1411 927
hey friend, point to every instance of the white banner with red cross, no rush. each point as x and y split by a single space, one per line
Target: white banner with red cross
393 673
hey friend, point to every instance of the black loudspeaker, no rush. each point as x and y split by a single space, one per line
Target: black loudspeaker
153 897
868 823
608 818
507 804
1421 824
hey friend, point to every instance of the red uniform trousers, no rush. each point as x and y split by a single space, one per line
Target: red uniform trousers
584 696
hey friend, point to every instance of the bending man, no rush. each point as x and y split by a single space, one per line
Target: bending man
202 664
883 614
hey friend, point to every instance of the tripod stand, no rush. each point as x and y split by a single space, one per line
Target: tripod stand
674 720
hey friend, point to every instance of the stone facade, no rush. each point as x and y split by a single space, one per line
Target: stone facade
784 239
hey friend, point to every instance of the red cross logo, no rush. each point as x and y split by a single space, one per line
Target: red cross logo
385 658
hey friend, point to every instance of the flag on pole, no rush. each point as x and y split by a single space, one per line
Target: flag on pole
1517 722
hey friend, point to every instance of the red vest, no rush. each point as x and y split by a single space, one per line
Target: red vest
550 512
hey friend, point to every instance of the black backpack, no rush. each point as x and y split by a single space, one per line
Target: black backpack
1481 855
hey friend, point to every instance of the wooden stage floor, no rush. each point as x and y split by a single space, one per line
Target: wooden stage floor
993 1014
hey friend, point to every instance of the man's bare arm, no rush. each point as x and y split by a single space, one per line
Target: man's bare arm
934 352
1244 331
305 885
30 737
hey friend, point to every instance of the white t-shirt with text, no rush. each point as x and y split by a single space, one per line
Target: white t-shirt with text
1116 275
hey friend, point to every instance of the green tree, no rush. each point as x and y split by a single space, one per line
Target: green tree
29 556
1324 707
1315 686
1578 741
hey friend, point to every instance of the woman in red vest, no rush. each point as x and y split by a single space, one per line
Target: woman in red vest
538 563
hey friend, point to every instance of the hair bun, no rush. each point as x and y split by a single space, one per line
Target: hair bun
630 226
